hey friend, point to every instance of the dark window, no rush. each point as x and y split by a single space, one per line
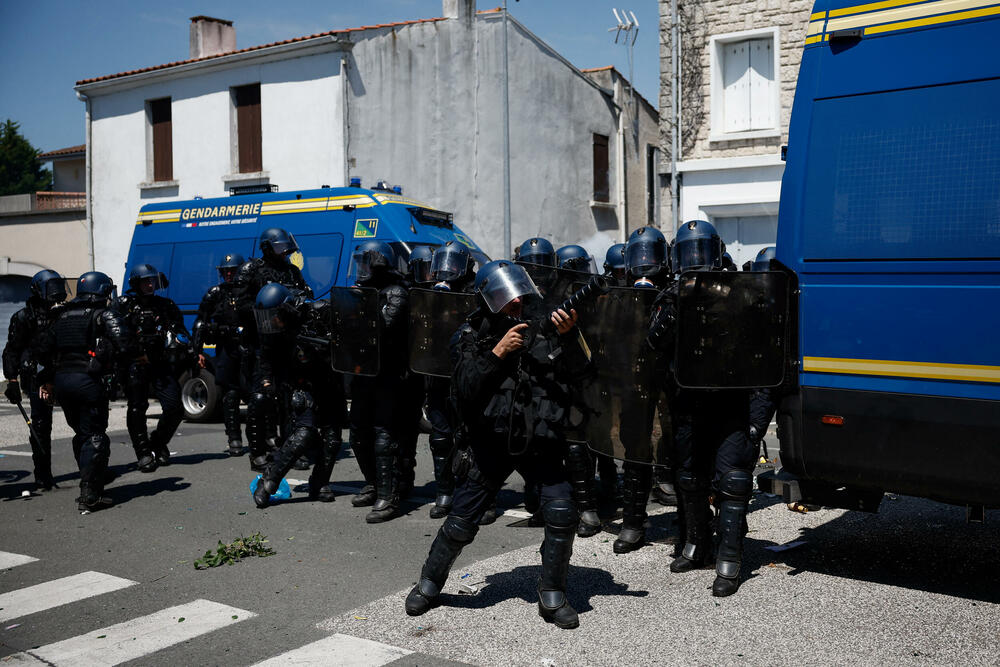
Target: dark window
247 100
163 139
602 189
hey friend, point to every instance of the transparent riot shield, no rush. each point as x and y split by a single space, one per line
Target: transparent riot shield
354 330
435 316
615 405
732 329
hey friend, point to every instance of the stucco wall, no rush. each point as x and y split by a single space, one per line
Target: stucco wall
425 114
301 140
69 175
57 240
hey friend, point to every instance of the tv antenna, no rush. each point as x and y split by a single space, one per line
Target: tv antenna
627 31
628 24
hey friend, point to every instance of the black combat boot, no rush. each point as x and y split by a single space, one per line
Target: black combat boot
664 491
262 494
735 488
697 551
443 477
635 494
231 418
365 497
144 453
581 479
490 515
453 535
386 507
319 480
560 528
160 449
407 476
92 499
255 432
235 448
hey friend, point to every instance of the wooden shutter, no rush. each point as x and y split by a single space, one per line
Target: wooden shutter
602 188
248 128
736 86
761 84
163 139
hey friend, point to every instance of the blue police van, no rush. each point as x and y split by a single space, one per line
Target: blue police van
889 222
187 239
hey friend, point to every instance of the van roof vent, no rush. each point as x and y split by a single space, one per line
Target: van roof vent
257 189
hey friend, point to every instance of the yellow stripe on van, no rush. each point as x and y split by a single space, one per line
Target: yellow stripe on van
817 15
906 13
934 20
910 369
870 7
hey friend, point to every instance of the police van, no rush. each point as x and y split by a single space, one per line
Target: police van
889 224
186 240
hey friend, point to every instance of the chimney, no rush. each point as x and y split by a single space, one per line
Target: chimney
459 9
210 37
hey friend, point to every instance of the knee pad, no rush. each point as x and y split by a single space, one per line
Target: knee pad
385 444
300 402
101 444
560 513
458 530
231 399
736 485
441 446
690 482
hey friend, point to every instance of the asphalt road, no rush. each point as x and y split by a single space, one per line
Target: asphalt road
913 584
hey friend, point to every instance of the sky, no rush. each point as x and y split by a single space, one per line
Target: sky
46 47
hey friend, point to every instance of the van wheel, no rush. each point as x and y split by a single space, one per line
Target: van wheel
199 396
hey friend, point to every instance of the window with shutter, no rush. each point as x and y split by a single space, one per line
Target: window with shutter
744 83
162 139
602 187
248 140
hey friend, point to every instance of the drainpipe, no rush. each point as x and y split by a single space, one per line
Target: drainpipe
89 168
675 103
622 210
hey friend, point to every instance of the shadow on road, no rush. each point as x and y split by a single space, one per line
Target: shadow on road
146 487
522 582
911 543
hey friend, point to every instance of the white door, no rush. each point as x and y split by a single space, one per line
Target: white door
745 237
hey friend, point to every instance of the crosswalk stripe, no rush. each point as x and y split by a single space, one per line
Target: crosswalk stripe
9 560
135 638
58 592
14 452
342 650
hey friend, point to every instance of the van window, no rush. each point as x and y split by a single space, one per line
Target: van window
194 268
907 174
320 259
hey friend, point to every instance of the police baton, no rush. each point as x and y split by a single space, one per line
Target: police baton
27 420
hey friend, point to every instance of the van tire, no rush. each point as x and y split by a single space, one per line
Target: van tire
199 396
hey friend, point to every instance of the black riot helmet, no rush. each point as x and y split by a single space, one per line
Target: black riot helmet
614 261
501 281
762 262
536 251
575 258
727 263
48 286
274 308
277 244
145 279
451 262
419 263
94 286
697 246
371 258
229 265
646 254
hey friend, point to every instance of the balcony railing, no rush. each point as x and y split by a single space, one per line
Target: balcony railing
42 201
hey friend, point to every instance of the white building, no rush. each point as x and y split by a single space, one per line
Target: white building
416 103
739 64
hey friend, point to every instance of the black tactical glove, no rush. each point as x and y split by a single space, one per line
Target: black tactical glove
13 391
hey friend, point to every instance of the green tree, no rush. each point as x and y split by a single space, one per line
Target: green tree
20 170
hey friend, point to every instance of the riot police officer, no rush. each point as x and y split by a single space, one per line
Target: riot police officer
496 367
714 450
375 425
218 322
77 352
418 265
273 266
614 265
647 267
294 359
48 290
150 319
575 258
451 271
763 400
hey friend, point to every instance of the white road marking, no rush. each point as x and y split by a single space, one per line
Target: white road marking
58 592
517 514
135 638
14 452
9 560
341 650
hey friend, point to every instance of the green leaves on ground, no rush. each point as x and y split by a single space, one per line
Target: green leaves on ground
227 554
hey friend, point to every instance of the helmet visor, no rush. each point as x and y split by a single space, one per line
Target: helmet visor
505 285
149 284
699 254
421 270
54 290
581 264
284 247
449 265
363 264
269 320
645 259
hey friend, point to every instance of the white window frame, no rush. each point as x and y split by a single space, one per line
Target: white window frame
716 52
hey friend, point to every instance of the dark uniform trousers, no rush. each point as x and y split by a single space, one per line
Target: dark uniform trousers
41 426
157 379
85 405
